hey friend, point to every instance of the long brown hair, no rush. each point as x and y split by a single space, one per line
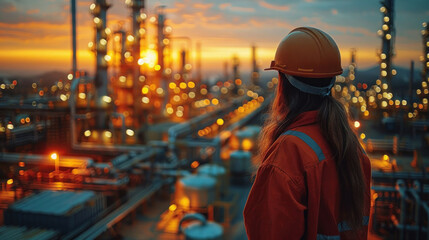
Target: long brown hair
288 103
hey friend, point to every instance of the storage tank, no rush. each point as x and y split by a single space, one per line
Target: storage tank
195 191
219 173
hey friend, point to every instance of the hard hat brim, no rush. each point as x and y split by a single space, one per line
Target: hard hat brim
304 74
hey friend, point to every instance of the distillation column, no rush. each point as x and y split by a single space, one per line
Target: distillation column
99 10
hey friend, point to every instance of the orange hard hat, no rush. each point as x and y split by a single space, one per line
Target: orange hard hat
307 52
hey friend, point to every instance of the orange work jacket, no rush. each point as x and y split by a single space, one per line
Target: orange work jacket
296 192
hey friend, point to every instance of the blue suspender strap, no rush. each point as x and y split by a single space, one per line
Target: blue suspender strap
327 237
342 226
309 141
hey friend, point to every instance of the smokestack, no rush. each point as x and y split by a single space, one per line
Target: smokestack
225 71
137 20
255 72
387 34
198 65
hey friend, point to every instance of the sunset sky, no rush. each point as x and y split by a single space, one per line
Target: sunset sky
35 35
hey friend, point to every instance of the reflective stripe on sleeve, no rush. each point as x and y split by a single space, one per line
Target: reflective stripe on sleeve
327 237
342 226
309 141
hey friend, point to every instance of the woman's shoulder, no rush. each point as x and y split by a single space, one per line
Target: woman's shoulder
290 155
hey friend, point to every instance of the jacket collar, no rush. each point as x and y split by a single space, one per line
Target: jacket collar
303 119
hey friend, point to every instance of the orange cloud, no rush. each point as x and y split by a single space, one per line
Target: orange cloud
202 6
264 4
33 11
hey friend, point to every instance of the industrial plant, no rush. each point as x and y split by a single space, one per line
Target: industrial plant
148 148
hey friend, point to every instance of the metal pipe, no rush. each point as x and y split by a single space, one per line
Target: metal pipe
402 189
73 20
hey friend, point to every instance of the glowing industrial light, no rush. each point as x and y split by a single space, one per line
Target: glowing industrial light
82 95
152 19
63 97
386 19
54 156
145 100
176 98
195 164
70 76
386 157
394 72
9 126
203 91
410 115
145 90
92 6
9 181
418 91
142 31
388 36
87 133
159 91
172 85
424 24
188 66
130 38
362 136
383 9
97 20
143 16
191 84
166 41
385 27
383 56
107 58
354 99
179 114
247 144
215 101
157 67
366 113
182 85
383 73
426 91
379 32
168 29
27 119
122 79
107 99
356 124
130 132
191 95
108 134
172 207
177 76
170 110
220 121
103 41
383 104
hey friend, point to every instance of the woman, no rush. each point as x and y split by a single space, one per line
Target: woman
313 180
